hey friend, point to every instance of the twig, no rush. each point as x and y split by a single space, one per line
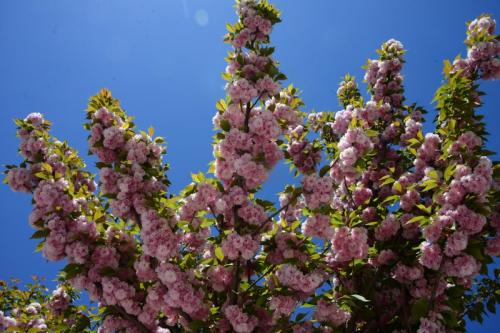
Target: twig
247 113
235 284
269 270
269 219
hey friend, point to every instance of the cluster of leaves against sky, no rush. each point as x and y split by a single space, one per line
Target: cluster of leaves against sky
388 230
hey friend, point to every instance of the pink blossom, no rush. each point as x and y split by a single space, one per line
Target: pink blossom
431 255
317 190
384 257
252 214
331 312
493 247
240 321
282 305
387 229
113 137
267 86
462 266
318 226
350 244
220 278
455 243
241 91
20 180
235 245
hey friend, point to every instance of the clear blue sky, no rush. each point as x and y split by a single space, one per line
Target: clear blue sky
163 59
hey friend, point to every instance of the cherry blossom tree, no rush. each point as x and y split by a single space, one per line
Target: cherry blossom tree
388 230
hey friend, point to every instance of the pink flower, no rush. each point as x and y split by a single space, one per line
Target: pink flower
462 266
361 195
291 276
241 91
317 190
304 156
113 137
264 125
220 278
331 313
267 86
342 120
282 305
493 247
35 119
384 257
387 229
431 255
455 243
242 38
240 321
252 214
20 180
470 222
318 226
409 199
77 252
235 245
350 244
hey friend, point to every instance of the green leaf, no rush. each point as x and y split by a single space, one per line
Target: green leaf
39 246
196 325
416 219
224 124
424 208
390 199
397 187
97 215
229 27
42 175
47 167
198 177
82 323
280 77
300 316
40 234
107 271
490 305
447 67
371 133
429 184
324 170
266 204
419 309
433 174
449 171
219 254
73 269
221 105
386 180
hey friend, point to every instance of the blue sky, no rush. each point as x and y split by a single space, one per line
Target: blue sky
163 60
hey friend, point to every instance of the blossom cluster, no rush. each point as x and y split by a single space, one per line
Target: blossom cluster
383 76
483 50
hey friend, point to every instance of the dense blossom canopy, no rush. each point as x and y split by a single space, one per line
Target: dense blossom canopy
388 230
